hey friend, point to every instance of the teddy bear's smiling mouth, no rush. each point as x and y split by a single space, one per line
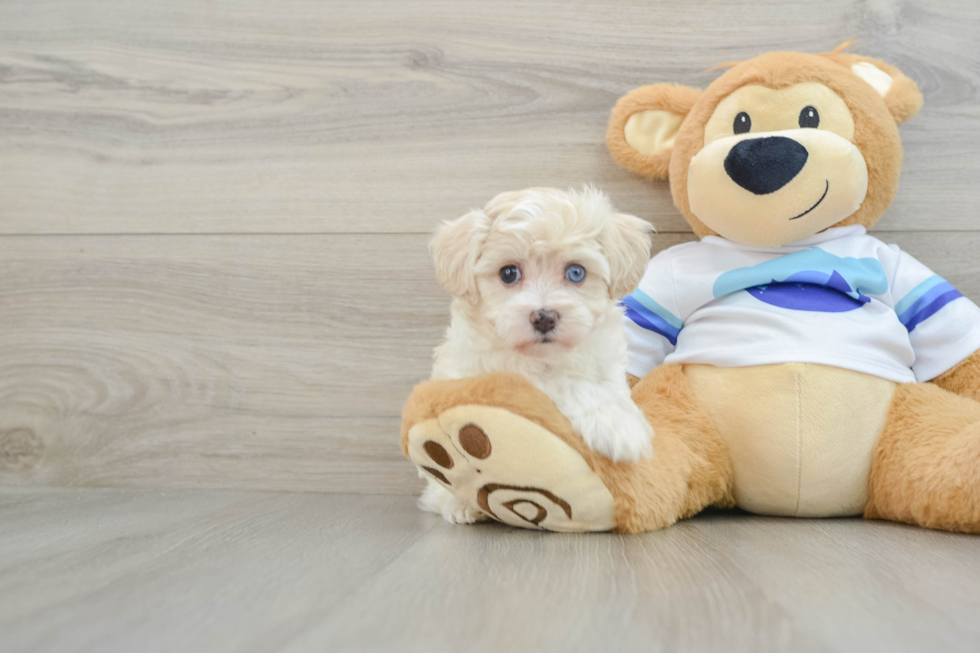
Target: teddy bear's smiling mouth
826 188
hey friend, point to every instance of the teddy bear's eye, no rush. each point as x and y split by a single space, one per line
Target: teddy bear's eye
510 274
743 123
809 117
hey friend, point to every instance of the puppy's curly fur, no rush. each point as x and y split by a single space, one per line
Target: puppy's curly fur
519 259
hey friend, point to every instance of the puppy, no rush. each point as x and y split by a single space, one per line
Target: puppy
535 278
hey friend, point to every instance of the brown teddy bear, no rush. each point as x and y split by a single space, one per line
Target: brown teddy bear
789 363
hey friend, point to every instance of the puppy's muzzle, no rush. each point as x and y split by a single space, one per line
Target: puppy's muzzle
544 320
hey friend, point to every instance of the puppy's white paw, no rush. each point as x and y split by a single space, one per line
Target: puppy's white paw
441 501
620 433
457 512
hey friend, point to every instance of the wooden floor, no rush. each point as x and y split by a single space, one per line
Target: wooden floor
210 570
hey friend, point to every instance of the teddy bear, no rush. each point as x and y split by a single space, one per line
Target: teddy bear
788 362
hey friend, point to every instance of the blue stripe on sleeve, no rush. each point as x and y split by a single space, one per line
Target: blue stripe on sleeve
648 302
650 320
912 317
916 293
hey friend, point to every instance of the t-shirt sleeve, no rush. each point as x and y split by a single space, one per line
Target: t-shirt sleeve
943 325
651 317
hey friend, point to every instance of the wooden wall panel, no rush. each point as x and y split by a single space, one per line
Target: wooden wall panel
301 116
250 361
214 215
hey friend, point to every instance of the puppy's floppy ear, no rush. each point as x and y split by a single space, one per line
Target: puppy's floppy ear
901 95
455 248
626 242
644 124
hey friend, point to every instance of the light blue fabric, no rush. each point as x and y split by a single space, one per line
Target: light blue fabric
916 293
863 275
648 301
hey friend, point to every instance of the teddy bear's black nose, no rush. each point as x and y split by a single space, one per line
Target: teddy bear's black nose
764 165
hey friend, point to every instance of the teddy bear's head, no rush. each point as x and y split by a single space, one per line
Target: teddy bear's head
778 148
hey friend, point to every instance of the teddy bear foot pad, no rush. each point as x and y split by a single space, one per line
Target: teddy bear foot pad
511 469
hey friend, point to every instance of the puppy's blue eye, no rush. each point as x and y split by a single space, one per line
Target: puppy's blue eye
510 274
575 273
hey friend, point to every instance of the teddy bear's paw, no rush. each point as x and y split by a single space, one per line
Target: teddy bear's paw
497 464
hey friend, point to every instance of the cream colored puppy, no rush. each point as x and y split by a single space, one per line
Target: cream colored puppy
535 278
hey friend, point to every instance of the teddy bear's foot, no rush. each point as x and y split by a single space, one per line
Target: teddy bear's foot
504 466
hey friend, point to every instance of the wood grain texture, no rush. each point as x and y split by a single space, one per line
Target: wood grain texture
213 269
186 571
383 116
718 582
262 362
204 570
272 362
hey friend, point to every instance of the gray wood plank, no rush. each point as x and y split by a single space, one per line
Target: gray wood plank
719 582
219 355
130 570
493 588
255 362
383 116
105 570
853 579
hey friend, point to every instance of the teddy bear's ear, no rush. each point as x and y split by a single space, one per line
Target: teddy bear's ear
644 124
901 95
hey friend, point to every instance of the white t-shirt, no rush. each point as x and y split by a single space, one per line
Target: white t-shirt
839 298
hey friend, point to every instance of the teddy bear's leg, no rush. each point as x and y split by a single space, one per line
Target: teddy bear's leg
691 468
926 467
500 445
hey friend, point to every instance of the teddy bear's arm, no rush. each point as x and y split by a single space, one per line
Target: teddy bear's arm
964 378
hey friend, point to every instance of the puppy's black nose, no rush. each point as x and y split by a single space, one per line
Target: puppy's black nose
764 165
544 320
